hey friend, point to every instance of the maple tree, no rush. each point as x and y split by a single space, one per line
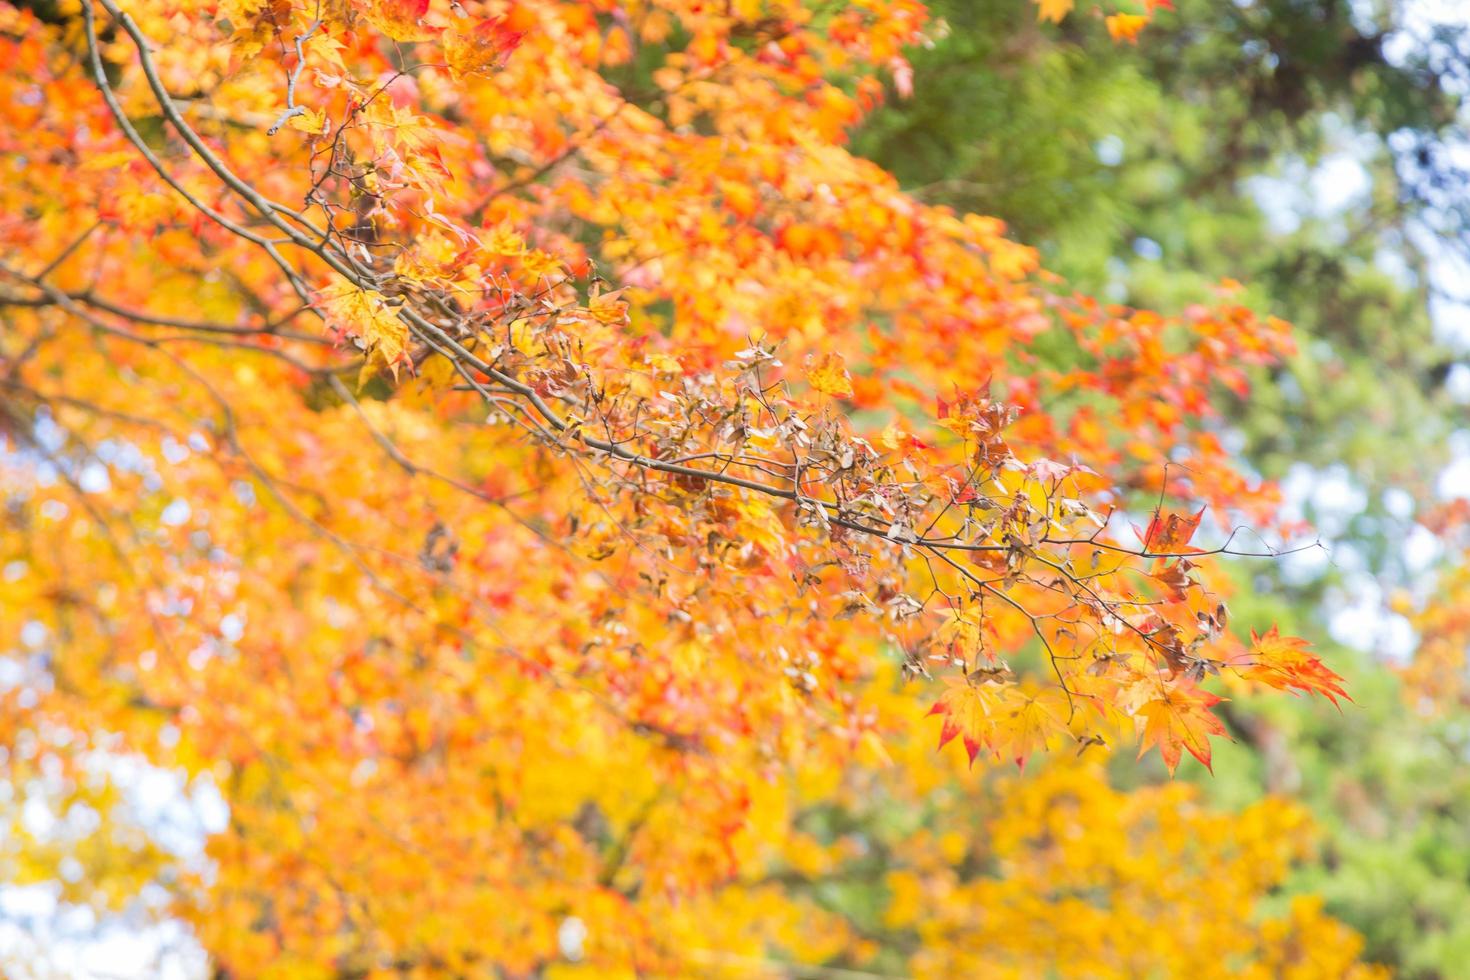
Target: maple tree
496 443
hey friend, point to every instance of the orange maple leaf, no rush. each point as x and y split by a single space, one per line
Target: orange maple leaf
1125 27
1285 663
1171 534
483 49
1180 719
400 19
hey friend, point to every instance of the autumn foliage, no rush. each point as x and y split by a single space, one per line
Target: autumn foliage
535 472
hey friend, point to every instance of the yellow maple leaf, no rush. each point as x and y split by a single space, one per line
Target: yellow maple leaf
664 363
369 320
828 374
312 121
962 632
1030 722
609 309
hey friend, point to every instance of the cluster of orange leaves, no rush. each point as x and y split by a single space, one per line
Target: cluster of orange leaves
492 599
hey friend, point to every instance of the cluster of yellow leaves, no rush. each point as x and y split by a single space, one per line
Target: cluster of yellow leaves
1060 850
1122 25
